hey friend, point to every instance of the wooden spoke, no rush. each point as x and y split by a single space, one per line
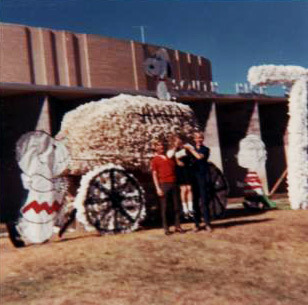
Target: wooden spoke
119 208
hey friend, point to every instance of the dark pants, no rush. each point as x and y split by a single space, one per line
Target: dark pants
171 197
201 199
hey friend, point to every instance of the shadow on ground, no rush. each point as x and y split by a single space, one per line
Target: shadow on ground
239 223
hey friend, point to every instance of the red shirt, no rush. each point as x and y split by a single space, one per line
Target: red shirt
164 167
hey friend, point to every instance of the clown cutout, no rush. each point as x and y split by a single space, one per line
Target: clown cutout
252 156
42 160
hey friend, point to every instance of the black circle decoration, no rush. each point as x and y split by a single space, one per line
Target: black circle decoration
115 201
155 67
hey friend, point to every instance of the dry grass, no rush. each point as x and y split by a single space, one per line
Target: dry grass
256 259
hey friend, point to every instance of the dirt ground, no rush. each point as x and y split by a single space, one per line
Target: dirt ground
247 259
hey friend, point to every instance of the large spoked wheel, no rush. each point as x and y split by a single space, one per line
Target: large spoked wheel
218 191
114 201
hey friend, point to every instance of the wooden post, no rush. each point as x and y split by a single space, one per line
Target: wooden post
278 182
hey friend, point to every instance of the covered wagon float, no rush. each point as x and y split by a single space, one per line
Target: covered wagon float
109 148
110 144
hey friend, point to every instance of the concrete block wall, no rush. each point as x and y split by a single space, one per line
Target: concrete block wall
235 121
273 124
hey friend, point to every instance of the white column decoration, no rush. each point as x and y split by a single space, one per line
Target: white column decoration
297 152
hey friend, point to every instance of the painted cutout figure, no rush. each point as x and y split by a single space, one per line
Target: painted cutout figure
42 159
296 78
158 66
252 156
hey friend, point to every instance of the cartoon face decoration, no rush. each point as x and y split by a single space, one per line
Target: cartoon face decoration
38 153
158 65
42 159
252 153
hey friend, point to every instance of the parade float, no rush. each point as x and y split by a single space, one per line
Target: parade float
297 150
103 144
112 139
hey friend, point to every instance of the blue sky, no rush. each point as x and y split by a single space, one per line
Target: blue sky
234 35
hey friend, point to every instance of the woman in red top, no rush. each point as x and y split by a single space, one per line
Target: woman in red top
163 172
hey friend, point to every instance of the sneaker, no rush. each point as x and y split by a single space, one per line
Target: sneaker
179 230
191 215
186 215
208 228
167 232
197 229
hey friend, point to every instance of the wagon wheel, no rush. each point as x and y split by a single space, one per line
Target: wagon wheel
115 201
218 191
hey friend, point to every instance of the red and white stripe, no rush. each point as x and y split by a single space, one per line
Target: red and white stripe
252 184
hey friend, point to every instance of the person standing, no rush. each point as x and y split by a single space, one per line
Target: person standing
200 171
163 173
183 174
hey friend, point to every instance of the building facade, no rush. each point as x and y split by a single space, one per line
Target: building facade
45 73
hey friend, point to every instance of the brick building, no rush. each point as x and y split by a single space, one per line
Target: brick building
45 73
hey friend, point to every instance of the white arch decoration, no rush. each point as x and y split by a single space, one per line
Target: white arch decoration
297 152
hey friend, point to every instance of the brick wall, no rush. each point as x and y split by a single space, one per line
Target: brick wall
15 55
48 57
